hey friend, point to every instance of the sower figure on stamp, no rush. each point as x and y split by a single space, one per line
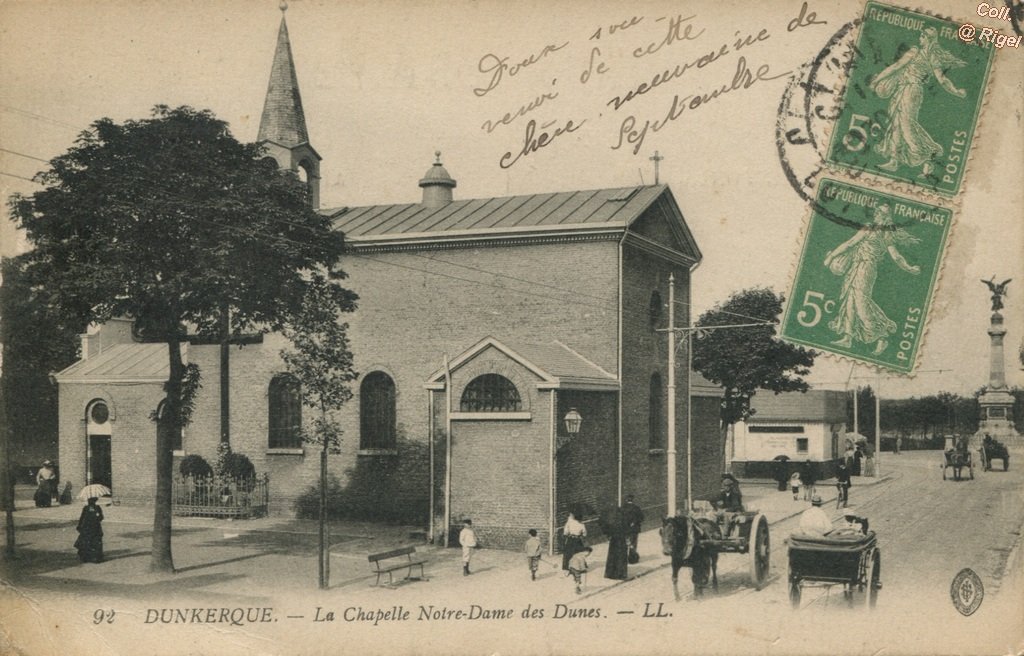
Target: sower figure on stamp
858 317
903 83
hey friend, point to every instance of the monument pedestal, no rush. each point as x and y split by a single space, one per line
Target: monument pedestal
996 403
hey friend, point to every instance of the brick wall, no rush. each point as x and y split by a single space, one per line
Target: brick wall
133 436
645 352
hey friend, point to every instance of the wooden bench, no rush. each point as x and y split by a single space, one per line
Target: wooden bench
389 562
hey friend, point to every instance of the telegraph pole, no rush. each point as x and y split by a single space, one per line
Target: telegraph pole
671 450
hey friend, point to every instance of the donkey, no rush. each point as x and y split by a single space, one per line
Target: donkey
681 538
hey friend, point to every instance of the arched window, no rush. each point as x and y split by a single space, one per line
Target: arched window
655 415
285 408
490 393
176 436
377 411
654 309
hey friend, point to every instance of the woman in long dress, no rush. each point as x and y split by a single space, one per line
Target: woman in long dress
90 533
858 317
614 525
905 140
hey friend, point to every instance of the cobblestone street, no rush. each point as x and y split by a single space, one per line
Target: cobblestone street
928 530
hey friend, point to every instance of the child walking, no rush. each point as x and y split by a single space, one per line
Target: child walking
467 538
532 550
794 485
578 567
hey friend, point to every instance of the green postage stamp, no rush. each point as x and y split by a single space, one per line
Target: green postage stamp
866 275
912 102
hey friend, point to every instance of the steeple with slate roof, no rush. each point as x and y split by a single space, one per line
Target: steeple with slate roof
283 123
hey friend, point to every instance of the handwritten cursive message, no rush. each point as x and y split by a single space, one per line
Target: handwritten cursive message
620 81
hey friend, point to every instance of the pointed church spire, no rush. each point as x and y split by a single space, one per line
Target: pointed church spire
283 121
283 124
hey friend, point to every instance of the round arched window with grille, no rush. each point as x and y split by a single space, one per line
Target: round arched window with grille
491 393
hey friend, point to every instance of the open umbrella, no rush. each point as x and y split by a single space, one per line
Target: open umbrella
94 490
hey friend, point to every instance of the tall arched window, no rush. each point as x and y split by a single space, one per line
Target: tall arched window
161 419
655 415
377 411
654 309
285 413
490 393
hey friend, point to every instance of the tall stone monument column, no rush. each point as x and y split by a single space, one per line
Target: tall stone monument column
996 402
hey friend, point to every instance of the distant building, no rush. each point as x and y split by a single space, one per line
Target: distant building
540 305
800 426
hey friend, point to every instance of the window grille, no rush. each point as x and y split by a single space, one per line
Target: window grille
490 393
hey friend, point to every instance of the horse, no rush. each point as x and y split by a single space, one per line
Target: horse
681 538
957 461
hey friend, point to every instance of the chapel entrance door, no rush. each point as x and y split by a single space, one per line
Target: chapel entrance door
100 469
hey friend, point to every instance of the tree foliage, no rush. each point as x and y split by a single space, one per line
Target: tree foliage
744 360
172 222
321 361
36 340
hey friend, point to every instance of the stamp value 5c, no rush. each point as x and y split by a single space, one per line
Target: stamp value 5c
866 275
912 103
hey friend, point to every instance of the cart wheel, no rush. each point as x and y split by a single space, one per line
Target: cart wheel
794 593
760 551
874 576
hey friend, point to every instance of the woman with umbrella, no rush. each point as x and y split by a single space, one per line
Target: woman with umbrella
90 530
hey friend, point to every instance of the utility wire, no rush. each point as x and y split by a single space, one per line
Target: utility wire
20 177
13 152
38 117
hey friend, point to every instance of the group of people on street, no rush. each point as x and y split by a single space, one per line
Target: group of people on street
90 522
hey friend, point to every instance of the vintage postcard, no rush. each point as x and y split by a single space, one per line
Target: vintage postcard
576 237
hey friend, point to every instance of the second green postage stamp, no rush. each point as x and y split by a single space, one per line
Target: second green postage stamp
867 272
912 102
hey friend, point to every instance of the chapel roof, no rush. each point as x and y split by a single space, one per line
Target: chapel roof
617 207
133 362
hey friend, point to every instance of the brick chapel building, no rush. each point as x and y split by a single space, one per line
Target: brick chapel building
482 324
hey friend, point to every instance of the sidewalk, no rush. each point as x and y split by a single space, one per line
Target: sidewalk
259 558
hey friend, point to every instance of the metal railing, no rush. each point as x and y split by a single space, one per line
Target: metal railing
210 496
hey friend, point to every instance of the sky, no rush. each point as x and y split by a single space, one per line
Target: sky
386 84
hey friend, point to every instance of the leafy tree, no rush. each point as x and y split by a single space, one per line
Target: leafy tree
321 362
173 222
36 341
865 413
744 360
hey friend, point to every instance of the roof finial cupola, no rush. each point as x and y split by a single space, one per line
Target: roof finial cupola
283 123
437 184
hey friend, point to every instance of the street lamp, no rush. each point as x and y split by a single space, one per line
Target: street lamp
572 420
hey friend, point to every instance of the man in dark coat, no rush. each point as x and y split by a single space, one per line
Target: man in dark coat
843 481
634 517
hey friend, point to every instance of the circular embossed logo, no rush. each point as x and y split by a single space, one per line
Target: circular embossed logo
967 591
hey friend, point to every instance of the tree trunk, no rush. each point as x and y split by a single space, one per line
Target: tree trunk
6 479
322 553
161 556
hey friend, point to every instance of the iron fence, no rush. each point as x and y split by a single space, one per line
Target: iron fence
210 496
